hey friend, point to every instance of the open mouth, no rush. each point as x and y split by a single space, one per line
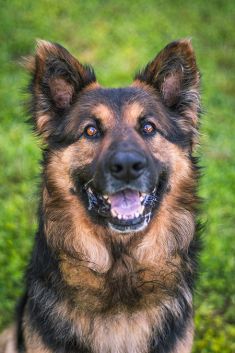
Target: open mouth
127 210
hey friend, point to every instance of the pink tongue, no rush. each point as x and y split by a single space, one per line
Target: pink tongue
125 202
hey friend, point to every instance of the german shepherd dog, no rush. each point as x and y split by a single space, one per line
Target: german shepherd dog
115 255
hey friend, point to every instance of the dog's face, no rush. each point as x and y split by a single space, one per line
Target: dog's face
116 174
115 151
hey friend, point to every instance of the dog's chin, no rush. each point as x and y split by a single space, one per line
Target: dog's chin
128 210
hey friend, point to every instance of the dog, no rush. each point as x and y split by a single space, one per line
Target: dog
115 256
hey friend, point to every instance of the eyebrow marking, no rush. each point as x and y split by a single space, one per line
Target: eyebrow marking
131 112
103 112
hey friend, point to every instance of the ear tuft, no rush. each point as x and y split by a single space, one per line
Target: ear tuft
28 62
43 48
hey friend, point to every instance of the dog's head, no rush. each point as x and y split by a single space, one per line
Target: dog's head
116 152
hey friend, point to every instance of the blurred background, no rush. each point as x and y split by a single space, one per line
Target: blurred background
118 38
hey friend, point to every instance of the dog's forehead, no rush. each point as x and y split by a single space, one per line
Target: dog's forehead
128 103
117 97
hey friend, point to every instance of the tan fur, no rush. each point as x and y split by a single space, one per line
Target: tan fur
158 236
123 333
69 217
131 113
104 113
8 340
129 333
91 86
140 84
42 122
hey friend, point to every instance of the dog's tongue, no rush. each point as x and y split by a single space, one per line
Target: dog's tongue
126 202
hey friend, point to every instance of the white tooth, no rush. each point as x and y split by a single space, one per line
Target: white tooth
141 209
113 213
141 198
137 214
119 216
89 189
105 197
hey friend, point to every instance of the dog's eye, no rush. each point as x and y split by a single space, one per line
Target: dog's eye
91 131
148 129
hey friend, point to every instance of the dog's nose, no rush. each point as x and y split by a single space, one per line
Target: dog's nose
127 166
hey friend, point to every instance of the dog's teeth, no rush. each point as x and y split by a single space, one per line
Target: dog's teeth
113 213
141 209
141 198
119 216
106 198
136 214
89 190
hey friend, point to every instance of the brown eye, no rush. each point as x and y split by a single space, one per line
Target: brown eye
148 129
91 131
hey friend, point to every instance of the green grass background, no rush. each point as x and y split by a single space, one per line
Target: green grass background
118 37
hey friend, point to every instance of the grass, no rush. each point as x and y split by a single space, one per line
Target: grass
118 37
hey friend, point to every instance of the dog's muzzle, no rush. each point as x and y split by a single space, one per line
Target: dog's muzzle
125 190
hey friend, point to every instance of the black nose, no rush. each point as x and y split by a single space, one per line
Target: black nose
127 165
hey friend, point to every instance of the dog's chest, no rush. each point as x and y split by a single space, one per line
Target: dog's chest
120 333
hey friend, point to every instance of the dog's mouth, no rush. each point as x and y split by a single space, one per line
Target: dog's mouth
126 204
126 210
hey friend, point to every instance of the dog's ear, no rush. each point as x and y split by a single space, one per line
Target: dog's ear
174 74
57 79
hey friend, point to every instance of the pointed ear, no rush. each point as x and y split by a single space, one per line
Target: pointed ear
174 74
57 79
